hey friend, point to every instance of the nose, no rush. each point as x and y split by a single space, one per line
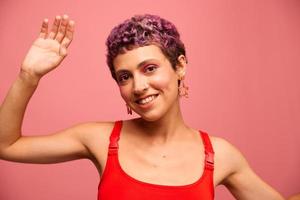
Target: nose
140 85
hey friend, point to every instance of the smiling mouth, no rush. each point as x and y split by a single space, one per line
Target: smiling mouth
146 100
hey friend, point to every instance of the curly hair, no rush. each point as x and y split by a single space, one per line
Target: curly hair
143 30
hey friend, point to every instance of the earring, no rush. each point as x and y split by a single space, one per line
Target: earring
129 111
183 89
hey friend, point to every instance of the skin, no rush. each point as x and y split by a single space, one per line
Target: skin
294 197
156 142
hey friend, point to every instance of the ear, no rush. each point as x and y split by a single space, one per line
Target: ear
181 66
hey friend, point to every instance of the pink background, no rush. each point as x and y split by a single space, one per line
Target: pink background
243 75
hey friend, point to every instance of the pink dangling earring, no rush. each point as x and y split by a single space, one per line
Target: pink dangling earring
183 89
129 111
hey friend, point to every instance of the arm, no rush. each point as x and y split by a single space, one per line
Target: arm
64 145
46 53
242 181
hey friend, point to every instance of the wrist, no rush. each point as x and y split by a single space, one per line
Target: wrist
28 78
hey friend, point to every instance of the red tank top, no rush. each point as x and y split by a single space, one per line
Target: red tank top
116 184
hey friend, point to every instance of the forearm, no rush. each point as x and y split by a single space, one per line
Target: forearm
13 108
247 185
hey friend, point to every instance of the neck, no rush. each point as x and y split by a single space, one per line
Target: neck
168 128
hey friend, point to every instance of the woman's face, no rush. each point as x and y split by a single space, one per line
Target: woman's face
147 81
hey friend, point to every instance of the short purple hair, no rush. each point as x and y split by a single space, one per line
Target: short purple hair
143 30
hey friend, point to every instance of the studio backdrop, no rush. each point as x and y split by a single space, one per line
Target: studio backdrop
243 77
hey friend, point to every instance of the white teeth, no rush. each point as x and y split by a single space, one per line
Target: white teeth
146 100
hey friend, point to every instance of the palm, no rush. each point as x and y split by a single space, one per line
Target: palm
49 50
43 56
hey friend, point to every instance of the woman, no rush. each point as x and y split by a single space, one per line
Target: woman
155 156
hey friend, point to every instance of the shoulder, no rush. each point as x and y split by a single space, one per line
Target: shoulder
91 133
102 126
237 175
226 150
94 135
88 131
228 158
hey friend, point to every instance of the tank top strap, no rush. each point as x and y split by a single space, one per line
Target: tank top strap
114 138
209 152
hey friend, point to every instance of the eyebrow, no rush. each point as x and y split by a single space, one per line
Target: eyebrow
139 65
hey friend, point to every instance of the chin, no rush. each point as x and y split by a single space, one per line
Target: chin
150 117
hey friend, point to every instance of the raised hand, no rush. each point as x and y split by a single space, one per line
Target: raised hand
49 49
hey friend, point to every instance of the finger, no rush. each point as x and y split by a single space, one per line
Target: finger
69 34
63 51
62 28
44 29
55 26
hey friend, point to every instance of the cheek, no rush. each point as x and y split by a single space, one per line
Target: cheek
165 81
124 91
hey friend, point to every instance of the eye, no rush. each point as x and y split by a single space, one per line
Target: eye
150 68
123 77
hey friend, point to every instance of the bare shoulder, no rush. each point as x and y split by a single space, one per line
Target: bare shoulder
95 134
227 158
89 130
225 150
234 172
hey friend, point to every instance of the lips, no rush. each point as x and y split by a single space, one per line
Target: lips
145 100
